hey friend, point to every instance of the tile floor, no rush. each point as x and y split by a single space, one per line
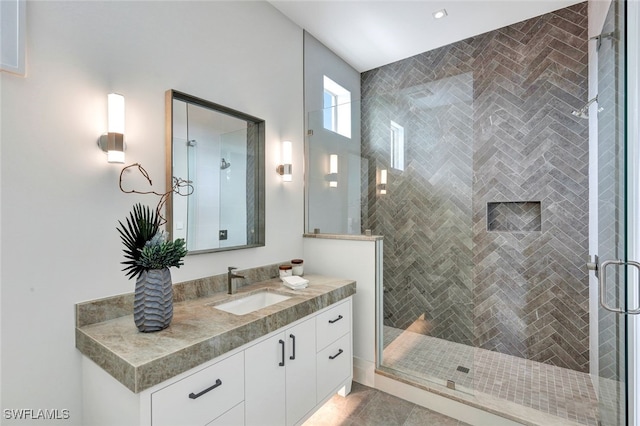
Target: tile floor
365 406
557 391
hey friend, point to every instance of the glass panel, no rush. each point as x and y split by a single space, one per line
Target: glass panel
422 135
611 215
233 188
484 219
334 200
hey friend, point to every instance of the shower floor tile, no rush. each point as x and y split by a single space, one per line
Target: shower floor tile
557 391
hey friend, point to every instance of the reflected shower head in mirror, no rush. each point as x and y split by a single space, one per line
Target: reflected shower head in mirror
224 164
584 111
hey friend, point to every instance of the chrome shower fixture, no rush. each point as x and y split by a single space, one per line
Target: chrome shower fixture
584 111
224 164
191 142
612 35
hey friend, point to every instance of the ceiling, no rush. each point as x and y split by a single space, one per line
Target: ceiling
370 33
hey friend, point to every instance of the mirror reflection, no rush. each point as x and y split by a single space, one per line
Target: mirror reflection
221 152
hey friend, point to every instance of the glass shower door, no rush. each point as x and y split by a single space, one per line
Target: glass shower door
612 220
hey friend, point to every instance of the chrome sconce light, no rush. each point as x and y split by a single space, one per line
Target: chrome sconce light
333 171
113 141
383 182
284 169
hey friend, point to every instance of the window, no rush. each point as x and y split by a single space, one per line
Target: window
330 111
397 146
337 108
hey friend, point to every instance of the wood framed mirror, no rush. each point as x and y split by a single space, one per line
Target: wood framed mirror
221 152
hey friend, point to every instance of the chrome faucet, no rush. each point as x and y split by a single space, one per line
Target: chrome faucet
230 276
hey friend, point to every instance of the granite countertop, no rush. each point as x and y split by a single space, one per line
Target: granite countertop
198 332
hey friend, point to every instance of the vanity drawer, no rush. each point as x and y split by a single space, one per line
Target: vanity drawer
233 417
332 324
187 402
333 366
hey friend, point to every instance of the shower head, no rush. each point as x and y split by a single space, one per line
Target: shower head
581 113
584 111
191 142
224 164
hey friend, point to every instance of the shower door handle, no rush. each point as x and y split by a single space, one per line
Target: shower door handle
602 281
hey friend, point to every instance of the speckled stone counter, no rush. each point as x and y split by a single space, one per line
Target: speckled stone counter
198 332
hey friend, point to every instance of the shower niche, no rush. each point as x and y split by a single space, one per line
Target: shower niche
514 216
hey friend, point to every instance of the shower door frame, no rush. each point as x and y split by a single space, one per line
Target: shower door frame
628 341
633 205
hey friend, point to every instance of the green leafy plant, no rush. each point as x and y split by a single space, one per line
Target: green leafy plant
145 247
159 253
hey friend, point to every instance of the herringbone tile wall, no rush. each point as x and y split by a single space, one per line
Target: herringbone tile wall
487 120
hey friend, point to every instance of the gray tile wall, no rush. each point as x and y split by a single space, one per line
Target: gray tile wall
487 119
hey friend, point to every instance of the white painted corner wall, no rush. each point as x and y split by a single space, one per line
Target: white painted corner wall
356 260
60 201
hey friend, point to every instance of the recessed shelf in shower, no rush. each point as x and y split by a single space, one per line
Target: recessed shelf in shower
514 216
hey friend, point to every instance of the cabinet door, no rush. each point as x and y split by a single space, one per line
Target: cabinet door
265 365
301 370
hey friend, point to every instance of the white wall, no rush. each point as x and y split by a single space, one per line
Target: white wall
360 261
60 200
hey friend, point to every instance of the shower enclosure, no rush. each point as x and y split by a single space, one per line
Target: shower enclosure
472 166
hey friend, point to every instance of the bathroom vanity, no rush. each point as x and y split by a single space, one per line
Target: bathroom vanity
273 366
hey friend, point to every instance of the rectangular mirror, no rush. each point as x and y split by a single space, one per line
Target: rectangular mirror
221 152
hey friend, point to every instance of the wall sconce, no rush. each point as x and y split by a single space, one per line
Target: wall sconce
113 141
383 182
284 169
333 170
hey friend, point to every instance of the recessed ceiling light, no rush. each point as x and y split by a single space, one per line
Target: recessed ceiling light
439 14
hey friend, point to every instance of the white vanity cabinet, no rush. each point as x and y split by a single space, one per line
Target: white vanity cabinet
307 363
280 377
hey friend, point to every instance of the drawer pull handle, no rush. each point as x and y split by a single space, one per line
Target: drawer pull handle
335 320
293 338
281 363
199 394
336 355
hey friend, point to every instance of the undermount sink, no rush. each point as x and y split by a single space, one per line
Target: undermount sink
252 302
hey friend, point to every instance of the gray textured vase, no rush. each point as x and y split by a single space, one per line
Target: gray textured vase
153 300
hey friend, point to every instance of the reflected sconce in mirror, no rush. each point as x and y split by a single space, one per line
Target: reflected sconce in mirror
333 170
284 169
383 182
113 141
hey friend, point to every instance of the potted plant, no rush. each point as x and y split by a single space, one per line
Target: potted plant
149 256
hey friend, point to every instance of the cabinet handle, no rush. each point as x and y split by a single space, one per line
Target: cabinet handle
199 394
336 355
293 338
335 320
281 364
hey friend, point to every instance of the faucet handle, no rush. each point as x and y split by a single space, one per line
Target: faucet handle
231 268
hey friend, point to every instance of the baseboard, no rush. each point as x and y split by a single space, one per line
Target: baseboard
364 372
